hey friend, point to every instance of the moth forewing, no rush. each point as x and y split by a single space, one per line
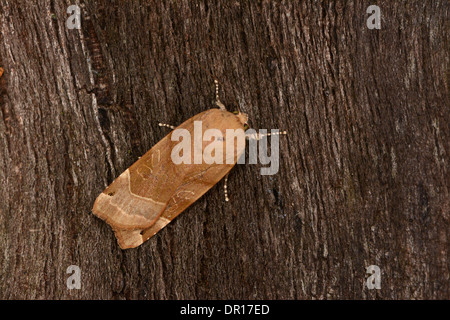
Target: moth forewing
136 198
154 190
234 145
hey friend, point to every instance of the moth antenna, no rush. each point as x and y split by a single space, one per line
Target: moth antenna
259 136
218 102
225 188
166 125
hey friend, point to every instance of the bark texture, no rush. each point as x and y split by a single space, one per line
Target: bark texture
363 176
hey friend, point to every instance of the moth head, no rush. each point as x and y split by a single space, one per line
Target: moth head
242 117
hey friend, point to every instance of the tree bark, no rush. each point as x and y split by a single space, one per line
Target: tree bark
363 176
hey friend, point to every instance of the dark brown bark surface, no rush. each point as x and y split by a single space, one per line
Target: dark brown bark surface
363 174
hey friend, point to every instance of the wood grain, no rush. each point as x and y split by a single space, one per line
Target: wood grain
363 174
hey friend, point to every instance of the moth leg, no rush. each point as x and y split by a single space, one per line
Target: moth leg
218 102
166 125
259 136
225 188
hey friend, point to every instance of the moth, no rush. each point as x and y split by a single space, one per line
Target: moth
1 71
154 190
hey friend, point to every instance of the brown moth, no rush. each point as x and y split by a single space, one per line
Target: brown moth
154 190
1 71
